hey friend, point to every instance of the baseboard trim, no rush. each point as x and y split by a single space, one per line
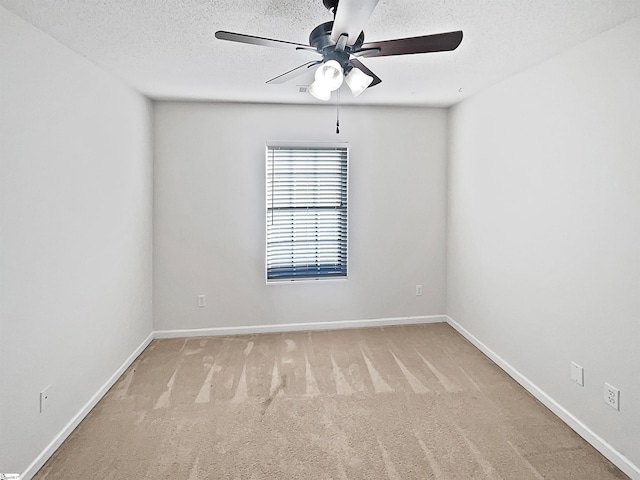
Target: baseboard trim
580 428
49 450
78 417
295 327
618 459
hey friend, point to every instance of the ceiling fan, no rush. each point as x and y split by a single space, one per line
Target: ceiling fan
341 42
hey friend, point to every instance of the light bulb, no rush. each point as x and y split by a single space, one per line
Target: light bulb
330 75
319 91
358 81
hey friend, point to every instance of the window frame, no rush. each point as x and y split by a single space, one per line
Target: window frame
289 280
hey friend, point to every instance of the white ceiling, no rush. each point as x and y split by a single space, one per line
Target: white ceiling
166 49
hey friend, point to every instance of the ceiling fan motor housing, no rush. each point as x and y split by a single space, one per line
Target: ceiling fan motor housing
320 39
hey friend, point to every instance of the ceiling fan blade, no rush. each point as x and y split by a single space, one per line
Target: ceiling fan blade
358 64
440 42
265 42
285 77
351 16
369 52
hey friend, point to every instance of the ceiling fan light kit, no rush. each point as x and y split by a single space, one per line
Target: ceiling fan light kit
357 81
317 90
340 43
330 75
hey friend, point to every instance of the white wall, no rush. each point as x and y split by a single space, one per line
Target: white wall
544 227
75 256
209 214
544 230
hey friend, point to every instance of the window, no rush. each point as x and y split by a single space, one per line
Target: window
306 211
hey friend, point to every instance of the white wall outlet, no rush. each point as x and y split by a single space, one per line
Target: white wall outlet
418 290
45 398
612 396
577 374
202 300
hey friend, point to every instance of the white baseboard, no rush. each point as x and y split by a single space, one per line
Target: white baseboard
585 432
78 417
293 327
288 327
622 462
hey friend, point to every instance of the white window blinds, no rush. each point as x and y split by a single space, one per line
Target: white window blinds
306 212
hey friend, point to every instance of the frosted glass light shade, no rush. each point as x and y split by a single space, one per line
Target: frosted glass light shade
358 81
330 75
319 91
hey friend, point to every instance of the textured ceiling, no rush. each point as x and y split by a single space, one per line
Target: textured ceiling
167 49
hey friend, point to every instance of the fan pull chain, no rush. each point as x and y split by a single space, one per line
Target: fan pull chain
338 112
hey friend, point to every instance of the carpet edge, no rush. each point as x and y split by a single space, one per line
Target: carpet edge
294 327
50 449
595 440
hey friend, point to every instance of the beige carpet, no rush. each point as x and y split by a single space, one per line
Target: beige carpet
410 402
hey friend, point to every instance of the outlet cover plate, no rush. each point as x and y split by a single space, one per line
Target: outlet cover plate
45 398
577 374
612 396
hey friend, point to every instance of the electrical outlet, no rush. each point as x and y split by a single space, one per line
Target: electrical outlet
418 290
612 396
202 300
45 398
577 374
